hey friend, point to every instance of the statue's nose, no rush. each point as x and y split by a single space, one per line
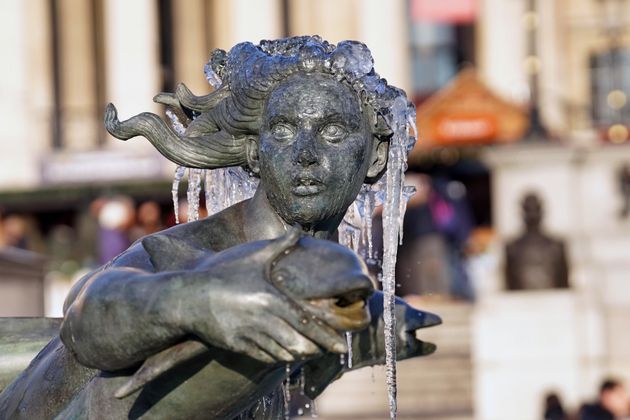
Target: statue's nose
305 152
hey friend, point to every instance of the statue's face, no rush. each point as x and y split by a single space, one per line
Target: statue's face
315 149
532 212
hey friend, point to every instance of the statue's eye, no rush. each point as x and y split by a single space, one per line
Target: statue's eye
333 133
282 132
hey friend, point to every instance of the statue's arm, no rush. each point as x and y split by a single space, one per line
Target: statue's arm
125 312
119 314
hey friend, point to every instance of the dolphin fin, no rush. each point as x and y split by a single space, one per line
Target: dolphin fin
159 363
280 245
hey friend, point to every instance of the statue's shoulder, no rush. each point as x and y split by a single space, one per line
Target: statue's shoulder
180 246
217 232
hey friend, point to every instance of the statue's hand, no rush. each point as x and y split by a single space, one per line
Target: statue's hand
228 303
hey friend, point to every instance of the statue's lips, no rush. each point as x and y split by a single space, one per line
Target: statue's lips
304 190
304 186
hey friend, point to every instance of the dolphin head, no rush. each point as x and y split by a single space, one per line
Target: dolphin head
330 280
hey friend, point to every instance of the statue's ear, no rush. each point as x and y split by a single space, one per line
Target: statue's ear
251 152
378 159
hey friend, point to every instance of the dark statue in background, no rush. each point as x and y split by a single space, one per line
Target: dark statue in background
207 319
535 260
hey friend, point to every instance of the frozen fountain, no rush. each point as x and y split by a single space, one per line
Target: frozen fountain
230 315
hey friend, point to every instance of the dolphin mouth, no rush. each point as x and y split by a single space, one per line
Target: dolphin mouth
348 311
416 347
420 320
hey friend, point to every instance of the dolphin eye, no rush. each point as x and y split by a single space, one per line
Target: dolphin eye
280 276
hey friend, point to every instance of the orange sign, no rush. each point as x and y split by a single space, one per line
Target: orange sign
467 112
457 129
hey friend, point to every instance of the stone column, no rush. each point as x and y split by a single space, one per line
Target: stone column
236 21
333 20
131 57
190 44
502 46
385 30
77 74
26 90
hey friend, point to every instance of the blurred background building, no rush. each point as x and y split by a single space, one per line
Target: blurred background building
514 97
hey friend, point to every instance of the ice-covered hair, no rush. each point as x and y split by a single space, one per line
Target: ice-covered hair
218 124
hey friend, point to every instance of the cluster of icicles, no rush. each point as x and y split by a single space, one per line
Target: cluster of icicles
225 187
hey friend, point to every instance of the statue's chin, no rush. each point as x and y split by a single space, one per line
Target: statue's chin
308 217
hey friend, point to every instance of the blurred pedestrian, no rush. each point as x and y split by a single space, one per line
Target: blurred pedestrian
423 263
14 230
21 231
553 407
613 403
148 220
116 217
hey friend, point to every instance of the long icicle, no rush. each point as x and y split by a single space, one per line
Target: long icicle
392 219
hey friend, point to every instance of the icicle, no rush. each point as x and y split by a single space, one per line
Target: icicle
355 230
213 187
313 409
392 218
223 187
407 192
302 381
286 387
194 189
349 341
411 123
179 128
177 178
207 184
369 210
